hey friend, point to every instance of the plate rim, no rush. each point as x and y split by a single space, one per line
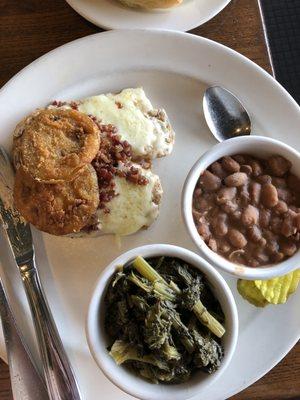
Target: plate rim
195 38
158 32
103 25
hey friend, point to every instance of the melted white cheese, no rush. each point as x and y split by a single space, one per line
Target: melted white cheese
133 115
133 208
150 135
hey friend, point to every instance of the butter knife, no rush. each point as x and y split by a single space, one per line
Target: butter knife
59 377
26 381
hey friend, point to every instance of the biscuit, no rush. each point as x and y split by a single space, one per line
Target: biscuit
151 4
53 145
57 208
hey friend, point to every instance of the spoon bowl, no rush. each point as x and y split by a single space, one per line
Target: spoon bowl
225 115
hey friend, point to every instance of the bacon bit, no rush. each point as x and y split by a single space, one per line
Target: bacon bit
108 129
143 181
118 104
112 151
146 164
74 105
56 103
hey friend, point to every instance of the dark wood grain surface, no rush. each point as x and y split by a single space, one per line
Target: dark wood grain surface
30 28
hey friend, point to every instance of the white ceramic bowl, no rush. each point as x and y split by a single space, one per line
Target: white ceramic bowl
120 375
257 146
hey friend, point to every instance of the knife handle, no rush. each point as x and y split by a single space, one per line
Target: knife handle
60 379
26 382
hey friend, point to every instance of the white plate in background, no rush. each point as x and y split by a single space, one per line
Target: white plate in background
111 14
174 69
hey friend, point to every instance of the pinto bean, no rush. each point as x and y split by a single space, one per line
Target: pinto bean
287 228
296 237
293 182
297 222
198 192
288 248
221 229
276 224
291 213
264 218
277 256
224 246
254 191
236 216
240 158
256 167
229 207
281 207
212 243
264 179
202 204
279 182
279 165
269 195
272 247
196 215
203 230
222 217
254 234
236 238
250 215
270 236
285 195
295 209
226 194
230 165
209 181
252 262
244 196
217 169
262 242
237 179
246 168
219 225
262 257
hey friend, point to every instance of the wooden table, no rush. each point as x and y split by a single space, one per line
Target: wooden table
30 28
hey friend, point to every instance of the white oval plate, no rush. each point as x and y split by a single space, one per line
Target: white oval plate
110 14
174 69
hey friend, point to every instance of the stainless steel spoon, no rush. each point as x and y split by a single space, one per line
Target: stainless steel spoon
225 115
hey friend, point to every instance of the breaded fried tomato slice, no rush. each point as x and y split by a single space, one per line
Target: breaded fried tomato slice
57 208
53 145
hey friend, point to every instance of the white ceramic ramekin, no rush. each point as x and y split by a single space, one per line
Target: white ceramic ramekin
257 146
120 375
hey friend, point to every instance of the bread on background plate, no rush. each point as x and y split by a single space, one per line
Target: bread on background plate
151 4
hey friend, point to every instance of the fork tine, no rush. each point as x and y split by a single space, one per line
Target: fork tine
4 156
6 169
18 232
